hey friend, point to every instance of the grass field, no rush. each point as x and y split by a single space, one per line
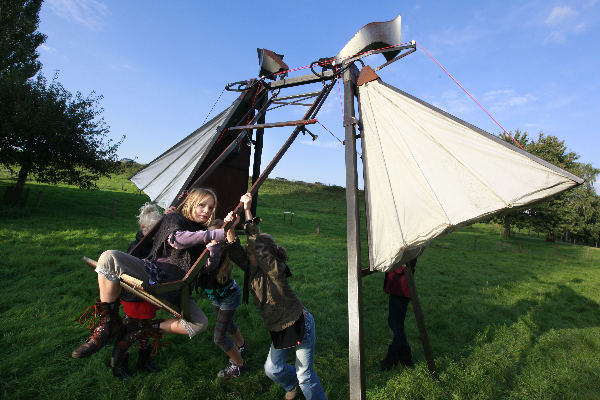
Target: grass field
514 318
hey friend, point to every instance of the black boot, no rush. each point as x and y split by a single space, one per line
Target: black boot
390 360
107 325
119 362
406 357
136 329
144 361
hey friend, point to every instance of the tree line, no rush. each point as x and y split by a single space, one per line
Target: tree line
45 130
572 216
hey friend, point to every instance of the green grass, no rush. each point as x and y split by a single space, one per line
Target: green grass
511 319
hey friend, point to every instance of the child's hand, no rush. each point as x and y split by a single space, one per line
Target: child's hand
230 234
247 200
170 210
230 217
212 243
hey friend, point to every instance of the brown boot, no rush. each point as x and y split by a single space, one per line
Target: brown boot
105 324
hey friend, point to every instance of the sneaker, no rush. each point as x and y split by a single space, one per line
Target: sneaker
232 370
243 348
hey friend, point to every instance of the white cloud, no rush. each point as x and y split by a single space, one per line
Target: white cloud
506 98
455 103
87 12
449 37
47 49
561 15
564 20
122 67
556 37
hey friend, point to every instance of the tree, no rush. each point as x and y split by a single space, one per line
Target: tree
55 136
19 40
513 218
44 129
573 213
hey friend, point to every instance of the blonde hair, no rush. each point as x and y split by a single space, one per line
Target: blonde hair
195 197
149 216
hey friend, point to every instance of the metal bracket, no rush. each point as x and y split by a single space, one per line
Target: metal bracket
305 130
353 121
411 49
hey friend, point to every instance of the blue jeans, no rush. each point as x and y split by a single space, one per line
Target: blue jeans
304 373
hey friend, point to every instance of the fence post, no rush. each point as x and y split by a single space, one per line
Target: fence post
475 244
318 227
39 200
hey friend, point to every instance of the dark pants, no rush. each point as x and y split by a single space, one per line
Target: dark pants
396 316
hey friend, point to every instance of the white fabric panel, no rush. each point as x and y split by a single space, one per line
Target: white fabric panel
164 177
426 172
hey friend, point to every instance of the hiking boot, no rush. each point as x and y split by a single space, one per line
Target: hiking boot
390 361
232 370
291 395
105 324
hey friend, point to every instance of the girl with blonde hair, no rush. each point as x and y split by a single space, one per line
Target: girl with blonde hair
179 241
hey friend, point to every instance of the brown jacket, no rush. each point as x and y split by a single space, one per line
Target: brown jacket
275 299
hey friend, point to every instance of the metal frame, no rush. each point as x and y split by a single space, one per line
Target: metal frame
349 73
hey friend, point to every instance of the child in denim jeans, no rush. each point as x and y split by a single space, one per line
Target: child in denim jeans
291 326
225 295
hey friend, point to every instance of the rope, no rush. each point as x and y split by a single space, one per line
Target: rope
213 106
469 94
338 139
331 133
337 80
94 319
330 61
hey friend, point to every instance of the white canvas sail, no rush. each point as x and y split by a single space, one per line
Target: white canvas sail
427 172
163 179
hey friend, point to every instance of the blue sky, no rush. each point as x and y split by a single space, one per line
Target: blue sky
532 64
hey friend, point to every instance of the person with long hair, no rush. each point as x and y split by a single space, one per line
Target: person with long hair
226 296
291 326
179 241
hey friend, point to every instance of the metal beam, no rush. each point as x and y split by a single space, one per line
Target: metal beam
274 125
302 80
312 112
356 363
295 96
